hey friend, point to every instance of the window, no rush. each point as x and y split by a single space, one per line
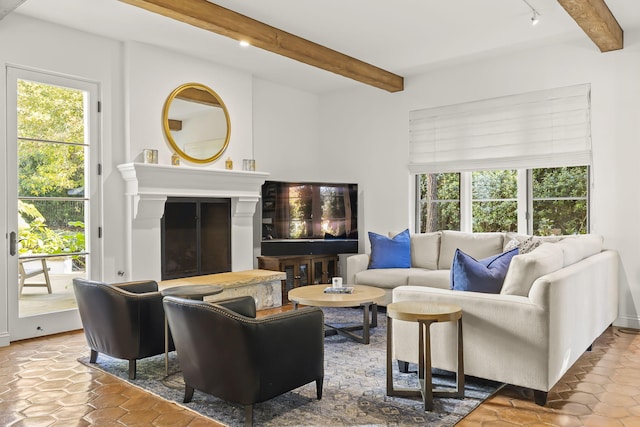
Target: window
546 201
439 201
494 200
560 200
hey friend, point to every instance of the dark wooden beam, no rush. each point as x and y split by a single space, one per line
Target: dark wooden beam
8 6
597 21
217 19
198 96
175 124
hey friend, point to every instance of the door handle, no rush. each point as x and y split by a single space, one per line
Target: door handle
12 243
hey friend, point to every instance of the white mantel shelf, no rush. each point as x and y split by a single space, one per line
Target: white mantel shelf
151 184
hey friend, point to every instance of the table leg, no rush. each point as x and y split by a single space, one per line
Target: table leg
389 358
374 315
424 369
460 373
166 346
365 324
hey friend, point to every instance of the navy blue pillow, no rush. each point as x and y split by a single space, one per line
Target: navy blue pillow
390 253
486 275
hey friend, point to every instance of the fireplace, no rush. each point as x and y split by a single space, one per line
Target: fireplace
196 237
150 186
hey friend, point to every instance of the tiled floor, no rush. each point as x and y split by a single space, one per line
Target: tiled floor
42 384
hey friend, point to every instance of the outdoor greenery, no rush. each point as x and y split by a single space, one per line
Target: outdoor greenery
559 200
494 200
51 162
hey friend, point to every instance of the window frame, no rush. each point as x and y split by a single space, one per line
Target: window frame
524 200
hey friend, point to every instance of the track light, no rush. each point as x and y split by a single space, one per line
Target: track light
535 17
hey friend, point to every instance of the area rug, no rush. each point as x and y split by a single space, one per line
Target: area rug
354 392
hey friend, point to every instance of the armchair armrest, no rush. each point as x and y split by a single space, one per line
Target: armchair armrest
355 264
245 306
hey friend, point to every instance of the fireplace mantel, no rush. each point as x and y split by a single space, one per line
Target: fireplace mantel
149 185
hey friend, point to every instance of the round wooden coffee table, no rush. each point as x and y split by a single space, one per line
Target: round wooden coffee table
365 296
425 313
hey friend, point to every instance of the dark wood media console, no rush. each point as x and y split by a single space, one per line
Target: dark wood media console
301 270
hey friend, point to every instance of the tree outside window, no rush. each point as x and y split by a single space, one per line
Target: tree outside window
560 202
439 201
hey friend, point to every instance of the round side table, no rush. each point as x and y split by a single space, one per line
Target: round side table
425 314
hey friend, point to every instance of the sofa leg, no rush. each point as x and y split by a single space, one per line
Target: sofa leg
248 415
93 357
319 382
403 366
132 369
188 393
540 397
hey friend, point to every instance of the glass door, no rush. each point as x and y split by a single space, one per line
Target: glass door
52 129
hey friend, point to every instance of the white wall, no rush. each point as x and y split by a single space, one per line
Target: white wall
371 126
286 133
153 73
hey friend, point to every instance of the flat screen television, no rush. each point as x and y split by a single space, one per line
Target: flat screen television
300 218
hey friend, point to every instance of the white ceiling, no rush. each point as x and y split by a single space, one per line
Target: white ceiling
402 36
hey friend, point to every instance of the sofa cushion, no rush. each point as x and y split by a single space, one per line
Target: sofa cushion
485 275
478 245
386 278
390 252
431 278
572 251
526 268
425 248
577 248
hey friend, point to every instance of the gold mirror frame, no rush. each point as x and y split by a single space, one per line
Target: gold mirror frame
194 92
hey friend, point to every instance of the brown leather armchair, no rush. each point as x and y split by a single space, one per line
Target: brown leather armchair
122 320
223 350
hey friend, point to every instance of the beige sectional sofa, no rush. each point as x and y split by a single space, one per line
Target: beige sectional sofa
555 301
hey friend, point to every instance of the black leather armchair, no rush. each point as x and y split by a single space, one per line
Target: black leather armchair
122 320
225 351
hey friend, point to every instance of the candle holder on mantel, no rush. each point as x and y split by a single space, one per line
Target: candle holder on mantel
248 165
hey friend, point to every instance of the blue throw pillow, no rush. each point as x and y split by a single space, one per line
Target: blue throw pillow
486 275
390 253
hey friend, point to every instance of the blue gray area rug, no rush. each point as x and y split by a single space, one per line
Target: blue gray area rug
354 392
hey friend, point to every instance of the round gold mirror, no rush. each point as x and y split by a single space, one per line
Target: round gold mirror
196 123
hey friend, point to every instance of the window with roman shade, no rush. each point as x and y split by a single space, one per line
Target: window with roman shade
542 129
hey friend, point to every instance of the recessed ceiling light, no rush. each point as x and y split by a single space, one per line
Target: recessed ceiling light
244 43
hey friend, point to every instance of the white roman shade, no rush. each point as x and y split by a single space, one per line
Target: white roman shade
548 128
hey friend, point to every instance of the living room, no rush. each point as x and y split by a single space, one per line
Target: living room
355 133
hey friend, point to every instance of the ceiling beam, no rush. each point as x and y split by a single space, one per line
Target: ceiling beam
217 19
597 21
8 6
198 96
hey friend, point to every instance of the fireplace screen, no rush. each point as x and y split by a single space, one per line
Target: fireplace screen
196 237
